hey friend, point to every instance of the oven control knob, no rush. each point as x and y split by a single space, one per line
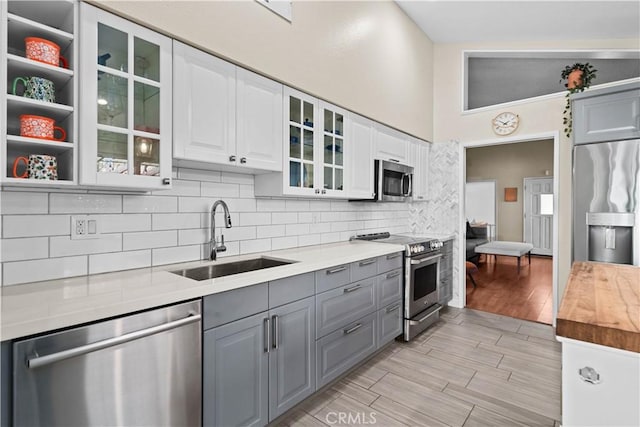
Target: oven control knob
421 248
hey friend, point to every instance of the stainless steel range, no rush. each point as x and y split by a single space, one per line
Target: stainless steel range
421 279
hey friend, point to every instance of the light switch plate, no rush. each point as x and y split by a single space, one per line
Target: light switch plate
84 227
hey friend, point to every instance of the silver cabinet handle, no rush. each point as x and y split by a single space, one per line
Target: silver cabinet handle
589 375
232 158
243 160
368 262
337 270
393 256
276 331
351 289
393 274
317 191
394 308
352 329
38 361
266 334
394 160
324 191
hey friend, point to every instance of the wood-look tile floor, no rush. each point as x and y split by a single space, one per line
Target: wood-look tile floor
470 369
501 290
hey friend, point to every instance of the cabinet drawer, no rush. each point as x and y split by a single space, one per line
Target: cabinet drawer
226 307
344 348
363 269
339 307
389 287
389 323
290 289
390 262
331 278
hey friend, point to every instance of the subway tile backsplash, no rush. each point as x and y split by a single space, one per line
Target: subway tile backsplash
143 230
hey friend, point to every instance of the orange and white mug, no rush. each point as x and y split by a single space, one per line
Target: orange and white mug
40 127
43 50
38 166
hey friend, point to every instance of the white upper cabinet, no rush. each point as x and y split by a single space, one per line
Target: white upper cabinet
125 114
359 158
391 144
419 159
332 150
259 121
204 106
224 115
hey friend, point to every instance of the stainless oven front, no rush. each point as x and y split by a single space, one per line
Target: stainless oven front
422 279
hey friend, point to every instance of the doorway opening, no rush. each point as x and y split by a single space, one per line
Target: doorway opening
510 262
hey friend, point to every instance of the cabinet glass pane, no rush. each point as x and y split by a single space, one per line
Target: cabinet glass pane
328 149
146 110
294 142
112 152
338 184
294 174
146 59
338 146
308 175
308 145
308 114
112 48
146 156
339 124
112 100
294 109
328 121
328 178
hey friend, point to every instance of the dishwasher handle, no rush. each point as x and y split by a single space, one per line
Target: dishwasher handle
39 361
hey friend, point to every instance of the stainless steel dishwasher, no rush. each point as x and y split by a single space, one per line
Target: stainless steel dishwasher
139 370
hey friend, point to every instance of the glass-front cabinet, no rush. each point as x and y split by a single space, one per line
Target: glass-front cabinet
314 146
126 104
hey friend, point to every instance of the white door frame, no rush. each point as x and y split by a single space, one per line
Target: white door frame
524 201
462 157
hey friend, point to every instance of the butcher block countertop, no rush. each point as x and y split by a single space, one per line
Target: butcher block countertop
601 305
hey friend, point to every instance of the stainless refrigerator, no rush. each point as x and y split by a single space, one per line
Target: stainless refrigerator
606 199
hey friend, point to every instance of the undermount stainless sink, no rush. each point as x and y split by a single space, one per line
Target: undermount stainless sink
218 270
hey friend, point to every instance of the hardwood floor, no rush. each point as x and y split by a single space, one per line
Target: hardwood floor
501 290
469 369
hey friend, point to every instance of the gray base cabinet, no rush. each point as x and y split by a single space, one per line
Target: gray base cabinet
292 358
236 373
389 323
342 349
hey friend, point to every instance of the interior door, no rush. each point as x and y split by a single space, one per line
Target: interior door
538 214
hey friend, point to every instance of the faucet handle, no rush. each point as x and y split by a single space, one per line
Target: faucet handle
221 246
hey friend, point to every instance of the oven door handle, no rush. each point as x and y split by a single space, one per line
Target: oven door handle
423 260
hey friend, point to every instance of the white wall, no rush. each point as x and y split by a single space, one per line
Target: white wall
365 56
536 117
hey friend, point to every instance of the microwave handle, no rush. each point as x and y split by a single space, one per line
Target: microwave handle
410 186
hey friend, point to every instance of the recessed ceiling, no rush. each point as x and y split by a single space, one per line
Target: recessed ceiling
451 21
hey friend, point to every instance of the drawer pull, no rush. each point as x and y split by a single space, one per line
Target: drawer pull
589 375
369 262
352 329
393 256
337 270
392 275
351 289
391 309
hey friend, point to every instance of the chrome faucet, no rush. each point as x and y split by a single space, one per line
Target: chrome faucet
214 246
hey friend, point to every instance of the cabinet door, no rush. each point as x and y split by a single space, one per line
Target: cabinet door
421 171
292 360
259 121
359 158
389 323
235 368
204 106
332 148
126 87
300 176
391 145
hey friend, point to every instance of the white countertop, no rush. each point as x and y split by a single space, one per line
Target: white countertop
44 306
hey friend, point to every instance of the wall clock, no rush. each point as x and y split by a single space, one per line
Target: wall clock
505 123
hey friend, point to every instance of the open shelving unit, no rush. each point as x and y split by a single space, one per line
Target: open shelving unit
57 21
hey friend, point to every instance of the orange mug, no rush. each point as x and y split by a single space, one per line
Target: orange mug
40 127
43 50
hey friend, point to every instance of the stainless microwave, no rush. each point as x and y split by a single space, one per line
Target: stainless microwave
393 182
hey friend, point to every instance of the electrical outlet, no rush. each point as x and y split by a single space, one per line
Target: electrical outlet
84 227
